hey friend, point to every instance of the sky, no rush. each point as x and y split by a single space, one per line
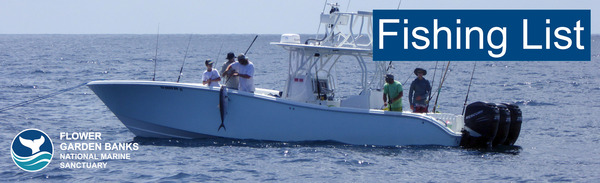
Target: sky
220 16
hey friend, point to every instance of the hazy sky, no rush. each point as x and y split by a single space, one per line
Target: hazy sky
219 16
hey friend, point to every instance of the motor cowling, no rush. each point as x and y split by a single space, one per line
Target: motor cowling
515 124
481 125
503 124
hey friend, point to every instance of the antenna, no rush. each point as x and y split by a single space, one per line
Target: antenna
348 6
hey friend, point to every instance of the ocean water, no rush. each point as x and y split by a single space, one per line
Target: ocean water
559 138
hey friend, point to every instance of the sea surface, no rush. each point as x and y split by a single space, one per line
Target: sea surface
559 139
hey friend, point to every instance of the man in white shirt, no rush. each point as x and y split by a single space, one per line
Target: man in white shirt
211 76
245 70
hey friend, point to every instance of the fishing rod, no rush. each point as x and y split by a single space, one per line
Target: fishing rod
390 63
156 52
432 82
441 78
184 56
244 54
217 58
440 87
468 90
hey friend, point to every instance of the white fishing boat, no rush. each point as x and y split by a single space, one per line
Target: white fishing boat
306 110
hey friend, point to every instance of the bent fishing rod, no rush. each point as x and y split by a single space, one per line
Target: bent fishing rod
184 56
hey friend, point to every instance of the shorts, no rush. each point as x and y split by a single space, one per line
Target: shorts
420 109
396 109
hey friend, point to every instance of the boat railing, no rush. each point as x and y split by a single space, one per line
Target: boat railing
346 29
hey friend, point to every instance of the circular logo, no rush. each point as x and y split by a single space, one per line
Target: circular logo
32 150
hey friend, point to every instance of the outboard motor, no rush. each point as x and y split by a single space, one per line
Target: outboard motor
481 125
503 124
515 124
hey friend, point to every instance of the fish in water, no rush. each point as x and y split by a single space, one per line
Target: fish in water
223 98
34 144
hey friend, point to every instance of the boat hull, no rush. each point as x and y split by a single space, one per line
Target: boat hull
180 110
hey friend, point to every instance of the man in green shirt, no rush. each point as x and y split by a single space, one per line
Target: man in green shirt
392 90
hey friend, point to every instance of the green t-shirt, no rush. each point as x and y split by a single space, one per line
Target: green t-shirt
392 91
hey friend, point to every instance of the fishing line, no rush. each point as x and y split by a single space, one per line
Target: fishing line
40 98
184 56
409 74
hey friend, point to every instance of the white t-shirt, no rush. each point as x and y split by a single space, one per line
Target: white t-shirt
213 74
246 85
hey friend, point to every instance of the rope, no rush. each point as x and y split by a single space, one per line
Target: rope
40 98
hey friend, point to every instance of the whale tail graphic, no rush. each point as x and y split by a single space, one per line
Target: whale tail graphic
34 144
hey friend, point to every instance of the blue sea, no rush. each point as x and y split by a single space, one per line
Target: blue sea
559 139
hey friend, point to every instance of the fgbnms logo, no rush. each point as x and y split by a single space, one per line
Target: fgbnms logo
32 150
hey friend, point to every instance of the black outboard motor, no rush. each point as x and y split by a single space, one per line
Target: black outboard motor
515 124
503 124
481 125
